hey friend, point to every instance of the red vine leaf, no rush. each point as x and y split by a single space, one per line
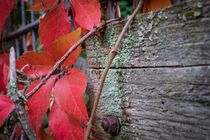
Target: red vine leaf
42 5
84 31
4 59
6 106
54 24
150 5
45 134
4 71
40 63
64 127
6 7
86 13
39 103
63 44
68 93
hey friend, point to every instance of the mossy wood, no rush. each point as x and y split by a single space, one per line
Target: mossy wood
159 84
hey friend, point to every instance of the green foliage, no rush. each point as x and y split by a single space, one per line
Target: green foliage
125 7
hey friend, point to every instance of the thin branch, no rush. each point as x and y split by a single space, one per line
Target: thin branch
22 136
20 73
13 132
112 56
17 97
59 62
22 82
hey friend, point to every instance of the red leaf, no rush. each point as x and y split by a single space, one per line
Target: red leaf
39 103
18 130
40 63
63 44
4 59
6 106
64 127
6 7
87 13
68 93
42 5
75 23
150 5
45 134
54 24
4 71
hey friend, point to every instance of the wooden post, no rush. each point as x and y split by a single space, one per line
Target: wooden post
159 84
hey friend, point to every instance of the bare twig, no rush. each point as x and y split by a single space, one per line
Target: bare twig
59 62
17 97
13 132
22 136
112 56
22 82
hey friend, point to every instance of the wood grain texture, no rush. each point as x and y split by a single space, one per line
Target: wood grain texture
174 36
162 103
159 84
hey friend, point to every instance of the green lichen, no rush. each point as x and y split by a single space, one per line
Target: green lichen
133 38
151 15
162 15
12 89
139 15
191 12
113 96
194 12
110 38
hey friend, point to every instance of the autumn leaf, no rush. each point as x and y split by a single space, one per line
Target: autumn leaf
6 7
4 59
6 106
84 31
40 63
150 5
42 5
86 13
68 93
64 127
54 24
4 71
45 134
39 103
63 44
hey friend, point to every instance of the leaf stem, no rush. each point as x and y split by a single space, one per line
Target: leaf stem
112 56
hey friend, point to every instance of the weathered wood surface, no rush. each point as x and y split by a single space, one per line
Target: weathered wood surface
159 84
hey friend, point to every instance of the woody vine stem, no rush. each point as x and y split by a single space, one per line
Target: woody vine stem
111 58
19 99
59 62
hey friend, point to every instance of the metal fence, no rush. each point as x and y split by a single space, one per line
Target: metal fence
31 27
